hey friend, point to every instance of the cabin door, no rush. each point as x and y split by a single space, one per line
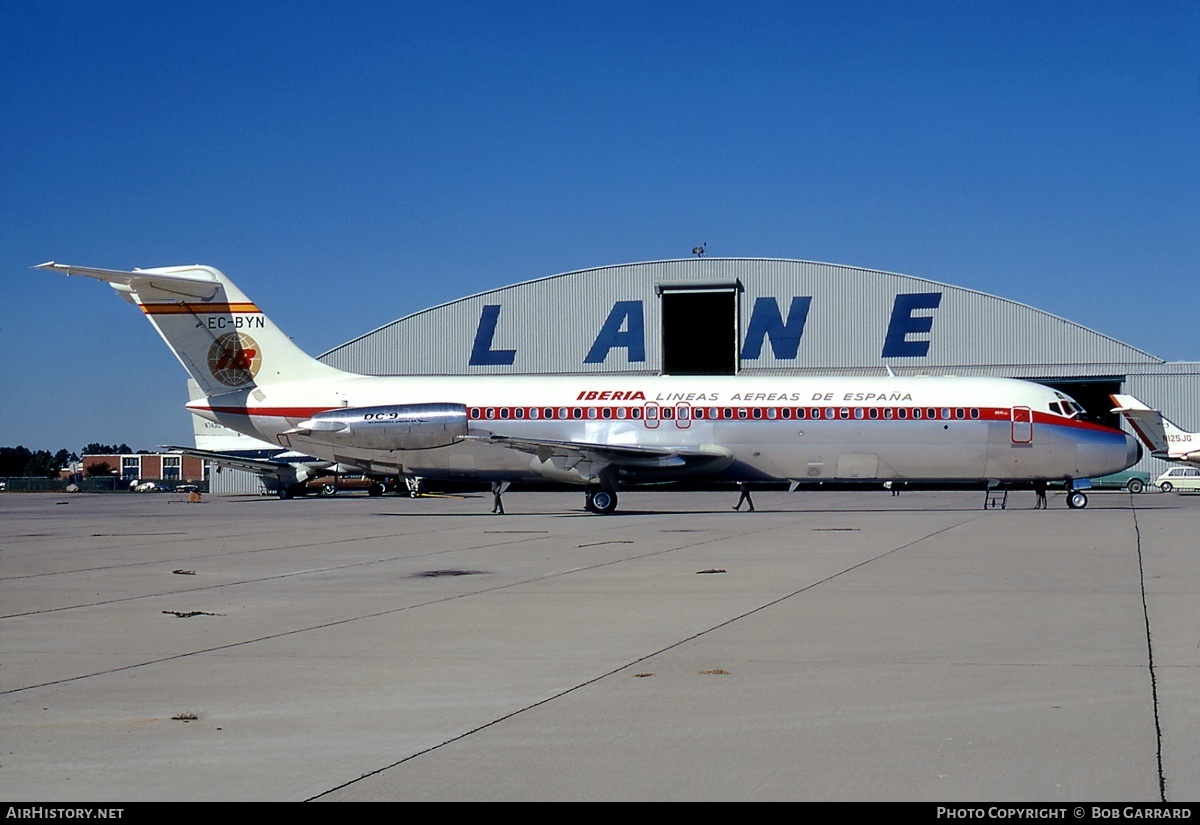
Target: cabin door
1022 425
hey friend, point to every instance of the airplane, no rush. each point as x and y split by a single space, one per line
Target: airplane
603 432
286 472
1165 440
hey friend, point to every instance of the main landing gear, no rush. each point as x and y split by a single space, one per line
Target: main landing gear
286 491
600 501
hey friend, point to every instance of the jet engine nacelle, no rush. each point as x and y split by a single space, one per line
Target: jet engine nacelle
393 427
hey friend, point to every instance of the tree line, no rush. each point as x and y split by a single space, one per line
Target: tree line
21 461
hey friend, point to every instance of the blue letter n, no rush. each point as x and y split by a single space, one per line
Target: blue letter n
765 322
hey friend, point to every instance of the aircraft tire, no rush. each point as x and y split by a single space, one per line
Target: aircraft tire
1166 486
1136 485
291 490
1076 500
602 502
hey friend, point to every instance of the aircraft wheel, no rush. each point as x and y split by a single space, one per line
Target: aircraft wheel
291 490
1076 500
376 489
1166 486
602 502
328 489
1136 485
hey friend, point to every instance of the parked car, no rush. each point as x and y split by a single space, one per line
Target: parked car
1179 478
330 485
1132 480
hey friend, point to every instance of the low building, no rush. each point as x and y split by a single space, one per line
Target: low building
169 467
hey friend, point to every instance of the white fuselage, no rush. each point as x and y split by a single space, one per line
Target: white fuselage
771 428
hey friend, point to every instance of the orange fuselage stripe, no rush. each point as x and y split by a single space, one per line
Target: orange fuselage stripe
199 309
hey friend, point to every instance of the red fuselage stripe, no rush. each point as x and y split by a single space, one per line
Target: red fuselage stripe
479 413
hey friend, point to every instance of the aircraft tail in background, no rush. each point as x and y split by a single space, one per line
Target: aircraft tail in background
1164 438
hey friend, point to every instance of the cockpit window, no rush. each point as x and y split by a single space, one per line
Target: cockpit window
1065 406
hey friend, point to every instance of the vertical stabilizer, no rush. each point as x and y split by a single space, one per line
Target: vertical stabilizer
224 341
1164 438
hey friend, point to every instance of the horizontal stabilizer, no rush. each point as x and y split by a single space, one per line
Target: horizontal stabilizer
185 281
1126 402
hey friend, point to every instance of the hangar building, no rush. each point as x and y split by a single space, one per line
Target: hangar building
767 317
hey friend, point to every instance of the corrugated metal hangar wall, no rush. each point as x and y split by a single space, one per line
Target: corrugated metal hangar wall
783 317
765 317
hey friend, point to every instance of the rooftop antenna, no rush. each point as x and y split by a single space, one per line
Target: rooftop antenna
698 251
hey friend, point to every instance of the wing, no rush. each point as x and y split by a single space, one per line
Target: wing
592 459
289 472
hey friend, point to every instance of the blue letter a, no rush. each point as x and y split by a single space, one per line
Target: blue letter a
626 314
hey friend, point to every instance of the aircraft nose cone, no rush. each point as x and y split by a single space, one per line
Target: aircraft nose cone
1133 450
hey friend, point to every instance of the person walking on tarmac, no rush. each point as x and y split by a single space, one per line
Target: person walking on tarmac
497 503
745 497
1040 488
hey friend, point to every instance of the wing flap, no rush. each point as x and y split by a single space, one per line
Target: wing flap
627 456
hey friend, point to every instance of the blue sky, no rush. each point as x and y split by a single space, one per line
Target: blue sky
350 163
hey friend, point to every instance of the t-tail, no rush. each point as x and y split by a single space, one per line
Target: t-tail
1165 439
221 337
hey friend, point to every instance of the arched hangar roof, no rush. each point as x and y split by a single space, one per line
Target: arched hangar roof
786 317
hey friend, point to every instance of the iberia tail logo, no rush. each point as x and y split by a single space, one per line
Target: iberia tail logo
234 359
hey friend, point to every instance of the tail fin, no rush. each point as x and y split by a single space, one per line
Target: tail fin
223 340
1150 425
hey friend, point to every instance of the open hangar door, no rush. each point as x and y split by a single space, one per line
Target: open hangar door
1092 392
700 329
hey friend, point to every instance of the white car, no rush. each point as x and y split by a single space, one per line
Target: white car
1179 478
